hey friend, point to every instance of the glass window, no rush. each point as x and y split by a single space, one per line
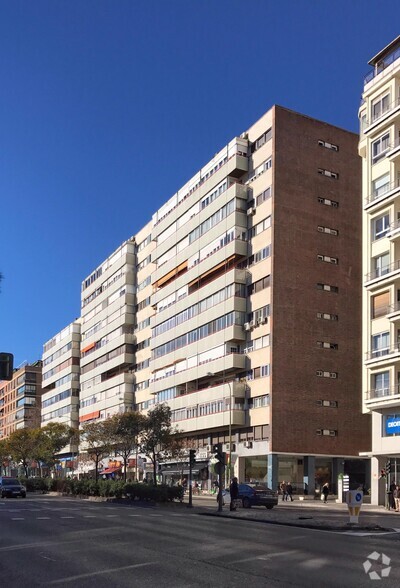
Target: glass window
382 265
381 185
380 227
380 344
381 384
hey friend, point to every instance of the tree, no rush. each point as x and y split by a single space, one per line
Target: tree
54 437
125 429
22 445
97 439
158 435
4 455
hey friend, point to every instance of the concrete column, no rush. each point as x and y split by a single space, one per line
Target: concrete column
309 473
272 471
337 468
378 485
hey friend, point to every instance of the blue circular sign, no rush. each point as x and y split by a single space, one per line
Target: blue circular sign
358 497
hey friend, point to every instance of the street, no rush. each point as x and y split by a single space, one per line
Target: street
57 541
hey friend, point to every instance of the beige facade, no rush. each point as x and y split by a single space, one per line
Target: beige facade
379 148
61 381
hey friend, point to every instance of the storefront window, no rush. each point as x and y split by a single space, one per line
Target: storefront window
255 469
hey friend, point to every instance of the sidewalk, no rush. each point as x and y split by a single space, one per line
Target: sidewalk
308 513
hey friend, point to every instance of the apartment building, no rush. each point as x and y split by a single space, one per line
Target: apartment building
255 307
20 399
239 305
61 382
379 147
107 339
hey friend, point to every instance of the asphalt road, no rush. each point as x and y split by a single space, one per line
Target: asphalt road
54 541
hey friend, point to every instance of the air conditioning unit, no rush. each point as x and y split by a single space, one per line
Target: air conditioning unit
246 326
262 321
251 211
252 324
248 444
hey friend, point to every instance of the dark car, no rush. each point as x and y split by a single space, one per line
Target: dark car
10 487
254 495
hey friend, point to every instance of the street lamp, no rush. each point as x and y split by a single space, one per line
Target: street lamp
229 464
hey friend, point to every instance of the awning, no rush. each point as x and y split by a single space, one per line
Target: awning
110 471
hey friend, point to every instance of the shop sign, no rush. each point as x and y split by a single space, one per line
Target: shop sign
392 425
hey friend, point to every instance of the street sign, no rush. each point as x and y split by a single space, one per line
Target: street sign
354 500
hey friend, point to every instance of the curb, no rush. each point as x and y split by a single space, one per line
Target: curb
348 527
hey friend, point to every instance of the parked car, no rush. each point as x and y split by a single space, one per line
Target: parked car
10 487
253 495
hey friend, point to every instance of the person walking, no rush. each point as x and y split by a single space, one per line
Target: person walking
289 492
283 490
325 492
396 497
234 493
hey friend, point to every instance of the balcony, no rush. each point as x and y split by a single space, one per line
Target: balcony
382 196
386 354
382 66
235 418
382 274
382 396
393 151
383 117
394 230
393 311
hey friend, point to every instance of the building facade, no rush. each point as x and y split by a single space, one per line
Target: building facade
239 305
61 384
379 148
20 399
255 268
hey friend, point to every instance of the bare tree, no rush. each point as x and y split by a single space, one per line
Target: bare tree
97 439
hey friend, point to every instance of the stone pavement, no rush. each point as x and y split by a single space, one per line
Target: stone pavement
308 513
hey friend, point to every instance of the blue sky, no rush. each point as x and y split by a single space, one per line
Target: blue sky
108 107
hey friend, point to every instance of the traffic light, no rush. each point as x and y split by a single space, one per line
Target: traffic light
219 455
192 456
383 473
388 468
6 366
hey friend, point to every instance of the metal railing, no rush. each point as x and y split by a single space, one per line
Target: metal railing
382 392
383 271
375 118
377 353
385 189
379 68
393 308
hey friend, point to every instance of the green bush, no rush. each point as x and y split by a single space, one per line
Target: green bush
34 484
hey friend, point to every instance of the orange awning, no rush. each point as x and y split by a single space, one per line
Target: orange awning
90 416
90 346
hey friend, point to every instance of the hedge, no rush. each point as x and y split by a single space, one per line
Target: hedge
105 488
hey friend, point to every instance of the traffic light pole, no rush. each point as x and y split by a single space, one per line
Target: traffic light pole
220 482
192 458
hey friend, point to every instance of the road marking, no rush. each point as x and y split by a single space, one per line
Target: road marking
134 515
67 517
42 518
98 573
156 515
108 516
18 519
89 516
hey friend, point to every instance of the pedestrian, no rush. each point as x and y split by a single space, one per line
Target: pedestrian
283 490
391 495
325 492
289 492
234 492
396 496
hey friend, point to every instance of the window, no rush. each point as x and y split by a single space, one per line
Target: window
380 147
265 195
331 375
380 107
379 304
380 383
265 137
381 265
327 345
328 173
327 230
327 288
328 259
327 316
328 145
327 403
328 202
380 186
380 227
380 344
327 432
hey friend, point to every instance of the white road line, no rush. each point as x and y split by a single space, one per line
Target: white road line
109 516
156 515
108 571
134 515
67 517
42 518
89 516
18 519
